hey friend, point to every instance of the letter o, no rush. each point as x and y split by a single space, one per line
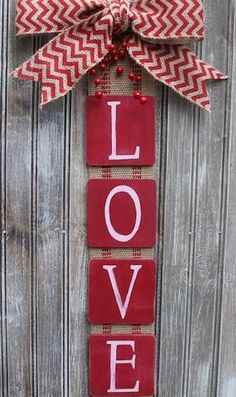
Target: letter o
131 192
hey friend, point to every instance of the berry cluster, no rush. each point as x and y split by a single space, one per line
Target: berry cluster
115 54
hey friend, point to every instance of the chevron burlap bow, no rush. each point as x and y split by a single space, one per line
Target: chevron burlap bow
157 31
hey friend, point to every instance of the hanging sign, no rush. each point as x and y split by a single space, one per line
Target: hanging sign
121 213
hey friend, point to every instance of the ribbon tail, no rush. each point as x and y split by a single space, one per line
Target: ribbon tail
62 62
177 67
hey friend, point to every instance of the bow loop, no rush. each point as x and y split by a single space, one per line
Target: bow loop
171 22
49 16
120 10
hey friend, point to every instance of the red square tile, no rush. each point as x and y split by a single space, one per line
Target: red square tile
120 131
122 291
121 213
122 365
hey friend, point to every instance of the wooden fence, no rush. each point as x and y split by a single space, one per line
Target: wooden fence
43 275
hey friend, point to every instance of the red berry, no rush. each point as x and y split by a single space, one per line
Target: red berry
97 81
138 78
124 44
112 47
122 53
131 76
137 95
106 60
93 72
98 94
119 70
114 52
103 66
115 59
143 100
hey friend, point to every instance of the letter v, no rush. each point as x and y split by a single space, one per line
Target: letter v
123 307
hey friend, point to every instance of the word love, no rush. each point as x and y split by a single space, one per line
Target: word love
122 291
122 365
121 213
120 132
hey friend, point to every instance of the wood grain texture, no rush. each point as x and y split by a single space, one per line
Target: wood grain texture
176 223
78 325
43 275
50 259
16 216
226 385
208 212
3 360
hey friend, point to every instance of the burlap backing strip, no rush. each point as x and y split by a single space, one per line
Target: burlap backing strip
122 329
121 253
121 173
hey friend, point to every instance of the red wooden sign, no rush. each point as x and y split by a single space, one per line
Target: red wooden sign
121 213
122 291
120 131
122 365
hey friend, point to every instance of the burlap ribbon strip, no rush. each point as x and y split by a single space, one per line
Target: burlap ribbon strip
156 31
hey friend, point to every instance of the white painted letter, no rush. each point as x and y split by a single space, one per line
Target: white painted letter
122 307
123 189
114 155
114 362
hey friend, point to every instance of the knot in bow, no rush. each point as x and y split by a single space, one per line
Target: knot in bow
120 11
157 30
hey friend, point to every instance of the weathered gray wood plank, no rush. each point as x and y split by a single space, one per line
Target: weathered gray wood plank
50 255
66 259
79 328
178 127
3 363
227 359
207 235
17 106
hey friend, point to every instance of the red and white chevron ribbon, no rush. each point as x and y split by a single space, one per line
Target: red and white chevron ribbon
158 29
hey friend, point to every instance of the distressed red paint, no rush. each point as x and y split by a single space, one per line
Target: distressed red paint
121 213
122 291
120 131
122 365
